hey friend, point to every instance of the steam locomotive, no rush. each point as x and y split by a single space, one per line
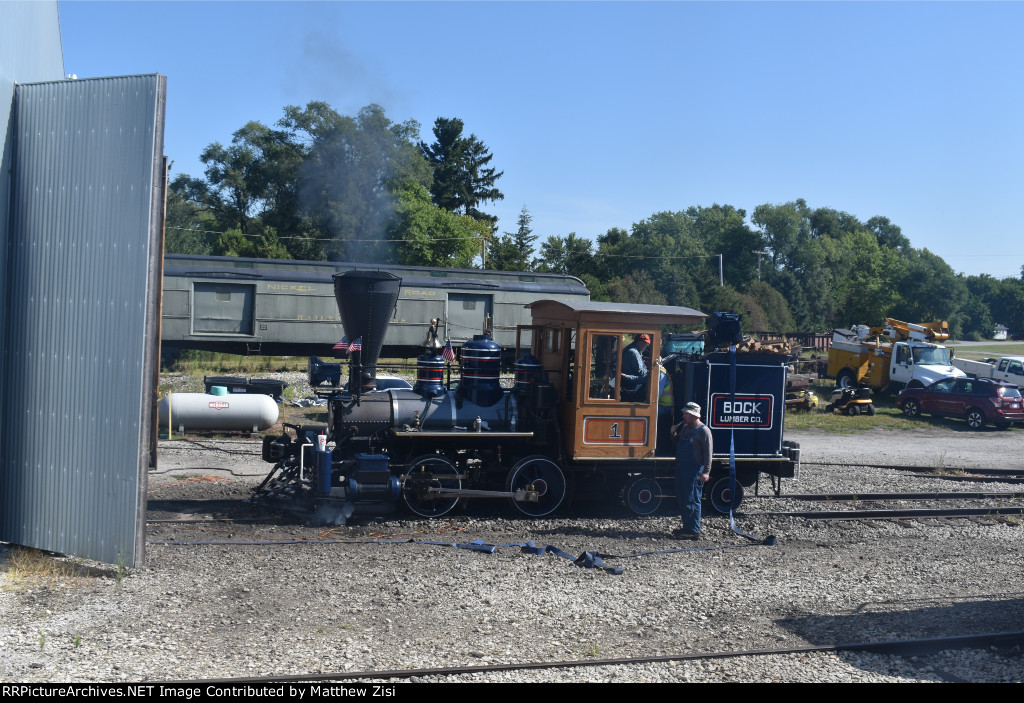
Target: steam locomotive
569 429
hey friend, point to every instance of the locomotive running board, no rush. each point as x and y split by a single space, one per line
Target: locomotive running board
458 433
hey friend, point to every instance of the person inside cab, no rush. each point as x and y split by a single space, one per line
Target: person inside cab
634 369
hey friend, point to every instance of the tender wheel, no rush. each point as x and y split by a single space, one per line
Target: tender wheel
853 410
846 379
427 473
912 409
722 497
975 419
539 474
643 496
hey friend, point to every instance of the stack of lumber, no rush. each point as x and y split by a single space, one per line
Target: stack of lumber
753 346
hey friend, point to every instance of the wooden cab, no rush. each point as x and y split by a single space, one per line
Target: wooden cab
587 350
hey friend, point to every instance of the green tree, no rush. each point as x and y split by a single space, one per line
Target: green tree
571 254
462 176
929 290
665 246
636 287
514 251
767 309
189 226
722 229
350 175
432 236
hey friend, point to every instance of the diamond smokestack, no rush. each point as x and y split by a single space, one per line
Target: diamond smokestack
366 300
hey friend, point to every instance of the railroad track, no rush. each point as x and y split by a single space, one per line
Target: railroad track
906 648
225 506
948 473
894 514
900 513
936 495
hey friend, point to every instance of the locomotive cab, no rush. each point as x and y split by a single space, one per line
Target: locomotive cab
584 349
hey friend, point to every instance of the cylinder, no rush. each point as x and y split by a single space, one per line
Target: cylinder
231 413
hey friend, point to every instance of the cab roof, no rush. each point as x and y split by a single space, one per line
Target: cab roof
622 314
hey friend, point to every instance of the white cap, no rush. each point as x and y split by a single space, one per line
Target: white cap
692 409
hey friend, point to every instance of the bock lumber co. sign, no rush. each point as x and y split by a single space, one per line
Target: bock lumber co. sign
742 411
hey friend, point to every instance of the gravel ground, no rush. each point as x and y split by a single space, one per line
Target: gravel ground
379 602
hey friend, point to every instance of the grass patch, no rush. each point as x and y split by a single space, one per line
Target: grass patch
887 416
25 567
206 363
989 349
818 419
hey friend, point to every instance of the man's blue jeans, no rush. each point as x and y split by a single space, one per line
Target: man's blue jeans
688 492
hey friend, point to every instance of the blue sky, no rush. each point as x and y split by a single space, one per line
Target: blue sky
603 113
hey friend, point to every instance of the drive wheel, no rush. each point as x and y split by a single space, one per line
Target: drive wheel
722 498
846 379
427 474
912 409
975 419
540 474
643 496
869 409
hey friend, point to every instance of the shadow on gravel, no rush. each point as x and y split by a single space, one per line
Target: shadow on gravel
887 621
236 510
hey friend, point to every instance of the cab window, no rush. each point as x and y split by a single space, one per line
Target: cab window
604 359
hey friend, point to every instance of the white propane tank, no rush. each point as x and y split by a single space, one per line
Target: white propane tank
250 412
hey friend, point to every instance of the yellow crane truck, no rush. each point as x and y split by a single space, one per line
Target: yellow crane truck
891 357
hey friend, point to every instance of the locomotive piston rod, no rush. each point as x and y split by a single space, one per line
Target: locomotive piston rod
518 496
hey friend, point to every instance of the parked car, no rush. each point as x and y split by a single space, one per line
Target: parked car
384 382
977 400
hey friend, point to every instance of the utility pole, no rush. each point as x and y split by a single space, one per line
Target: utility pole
721 276
759 255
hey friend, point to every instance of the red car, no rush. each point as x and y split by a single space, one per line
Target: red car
977 400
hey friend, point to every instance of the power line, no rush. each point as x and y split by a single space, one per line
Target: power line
441 239
321 239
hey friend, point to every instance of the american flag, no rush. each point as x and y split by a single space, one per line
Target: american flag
356 345
448 353
342 345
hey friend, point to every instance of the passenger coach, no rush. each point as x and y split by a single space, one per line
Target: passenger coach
268 306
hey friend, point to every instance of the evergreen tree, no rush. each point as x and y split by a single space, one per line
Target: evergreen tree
514 251
462 178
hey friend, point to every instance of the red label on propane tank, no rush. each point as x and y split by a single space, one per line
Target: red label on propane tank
219 404
741 411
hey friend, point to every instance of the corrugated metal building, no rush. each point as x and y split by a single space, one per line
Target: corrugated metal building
82 235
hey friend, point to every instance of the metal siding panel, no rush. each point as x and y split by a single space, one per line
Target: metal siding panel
80 342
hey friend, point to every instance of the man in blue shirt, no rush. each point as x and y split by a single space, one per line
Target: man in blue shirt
694 450
634 370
